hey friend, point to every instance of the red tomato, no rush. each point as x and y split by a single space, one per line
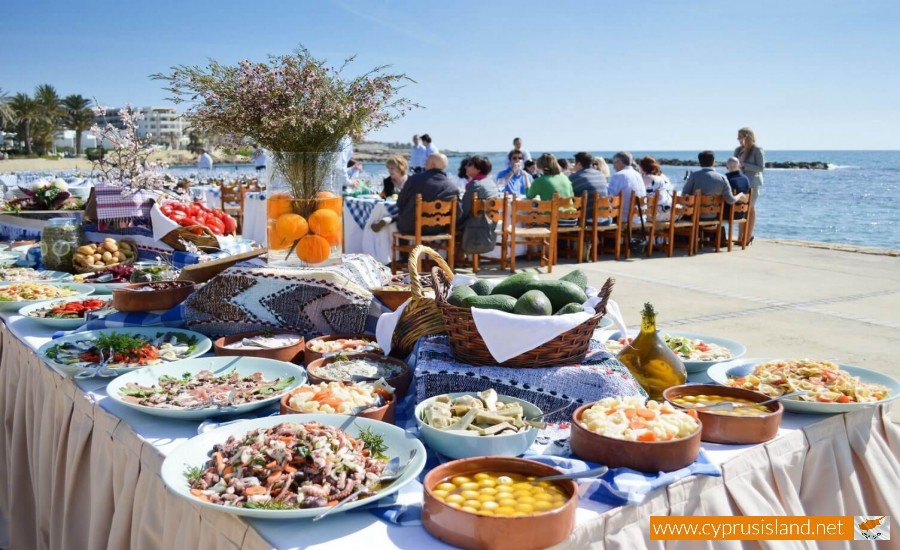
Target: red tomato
215 225
230 225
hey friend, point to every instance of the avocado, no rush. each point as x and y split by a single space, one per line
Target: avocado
515 285
533 302
560 293
500 303
578 277
483 287
569 308
459 294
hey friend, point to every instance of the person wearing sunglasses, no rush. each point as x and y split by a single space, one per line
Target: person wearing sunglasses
514 180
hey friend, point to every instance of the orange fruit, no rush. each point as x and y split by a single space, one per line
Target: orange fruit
291 227
325 195
276 242
313 249
325 223
327 199
278 204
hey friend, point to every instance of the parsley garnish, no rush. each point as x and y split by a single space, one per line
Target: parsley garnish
193 474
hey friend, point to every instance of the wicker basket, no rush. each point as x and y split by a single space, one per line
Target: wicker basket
469 347
93 269
421 316
206 241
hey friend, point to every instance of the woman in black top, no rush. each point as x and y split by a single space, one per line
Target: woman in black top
398 169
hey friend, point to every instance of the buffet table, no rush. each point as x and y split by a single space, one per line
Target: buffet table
79 471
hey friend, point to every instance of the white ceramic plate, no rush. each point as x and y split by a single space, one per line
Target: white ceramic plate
719 374
60 324
245 366
736 348
194 453
81 290
41 276
8 259
202 346
106 288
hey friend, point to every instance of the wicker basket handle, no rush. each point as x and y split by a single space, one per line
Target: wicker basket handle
415 283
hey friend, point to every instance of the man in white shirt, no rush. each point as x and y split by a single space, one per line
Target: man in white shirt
259 158
417 156
626 179
429 148
205 162
517 146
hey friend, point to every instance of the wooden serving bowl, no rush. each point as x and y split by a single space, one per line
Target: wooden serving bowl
727 429
128 299
392 298
643 456
290 354
468 530
309 355
400 383
384 413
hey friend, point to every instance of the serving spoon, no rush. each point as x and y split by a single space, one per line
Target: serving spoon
729 406
593 472
391 473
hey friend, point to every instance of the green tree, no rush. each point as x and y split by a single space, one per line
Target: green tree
27 112
77 116
49 119
7 114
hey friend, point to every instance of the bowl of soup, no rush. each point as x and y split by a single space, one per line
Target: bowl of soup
744 425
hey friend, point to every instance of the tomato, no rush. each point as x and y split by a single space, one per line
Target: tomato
844 399
215 225
230 224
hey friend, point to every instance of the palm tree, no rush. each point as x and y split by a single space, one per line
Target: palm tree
77 116
48 122
27 111
7 114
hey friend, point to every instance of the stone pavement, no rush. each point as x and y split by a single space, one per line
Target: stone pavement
779 299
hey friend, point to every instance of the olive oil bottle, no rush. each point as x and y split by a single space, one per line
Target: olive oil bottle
651 362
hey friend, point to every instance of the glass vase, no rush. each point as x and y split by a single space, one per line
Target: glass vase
651 362
304 213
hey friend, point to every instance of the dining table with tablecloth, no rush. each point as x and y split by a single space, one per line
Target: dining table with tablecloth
359 215
79 470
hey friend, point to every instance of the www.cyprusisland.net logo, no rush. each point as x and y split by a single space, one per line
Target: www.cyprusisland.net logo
872 527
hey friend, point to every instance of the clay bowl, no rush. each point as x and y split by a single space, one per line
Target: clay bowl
468 530
128 298
290 354
648 457
309 355
728 429
392 297
400 382
384 413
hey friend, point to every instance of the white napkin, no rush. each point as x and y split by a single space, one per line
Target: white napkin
387 322
615 315
161 225
507 335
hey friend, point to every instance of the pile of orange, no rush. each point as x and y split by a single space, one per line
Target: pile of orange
315 236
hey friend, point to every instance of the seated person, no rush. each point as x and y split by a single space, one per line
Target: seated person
481 186
531 168
586 178
710 182
738 181
514 180
552 180
399 172
433 184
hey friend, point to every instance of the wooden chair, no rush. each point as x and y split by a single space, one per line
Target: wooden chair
743 221
439 213
233 201
708 206
495 210
683 221
539 225
573 209
645 206
611 207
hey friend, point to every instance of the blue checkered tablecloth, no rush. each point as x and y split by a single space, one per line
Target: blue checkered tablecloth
361 208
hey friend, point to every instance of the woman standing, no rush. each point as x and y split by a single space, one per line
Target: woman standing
657 182
753 162
398 169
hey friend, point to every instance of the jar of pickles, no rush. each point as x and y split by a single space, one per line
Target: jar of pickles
59 240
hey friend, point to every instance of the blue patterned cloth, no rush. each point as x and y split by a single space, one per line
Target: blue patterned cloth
360 209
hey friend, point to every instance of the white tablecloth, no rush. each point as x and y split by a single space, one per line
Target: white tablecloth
254 224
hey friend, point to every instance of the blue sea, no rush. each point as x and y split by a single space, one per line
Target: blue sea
856 202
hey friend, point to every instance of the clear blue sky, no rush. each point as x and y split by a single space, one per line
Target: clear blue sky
564 75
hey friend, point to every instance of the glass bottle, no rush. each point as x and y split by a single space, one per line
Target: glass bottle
59 240
651 362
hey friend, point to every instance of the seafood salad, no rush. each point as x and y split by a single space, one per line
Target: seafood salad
20 274
290 465
204 389
121 349
26 292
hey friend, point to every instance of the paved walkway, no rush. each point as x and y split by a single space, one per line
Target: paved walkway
777 298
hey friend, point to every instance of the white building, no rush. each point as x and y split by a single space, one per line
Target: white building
66 138
159 125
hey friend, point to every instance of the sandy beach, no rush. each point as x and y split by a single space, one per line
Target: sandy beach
44 165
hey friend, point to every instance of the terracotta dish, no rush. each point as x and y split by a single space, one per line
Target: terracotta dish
165 295
400 382
649 457
290 354
731 430
467 530
309 355
384 413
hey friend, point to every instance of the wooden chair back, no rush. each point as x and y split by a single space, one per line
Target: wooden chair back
232 193
573 208
538 220
642 206
494 209
711 205
683 220
740 208
610 207
607 207
439 213
535 212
